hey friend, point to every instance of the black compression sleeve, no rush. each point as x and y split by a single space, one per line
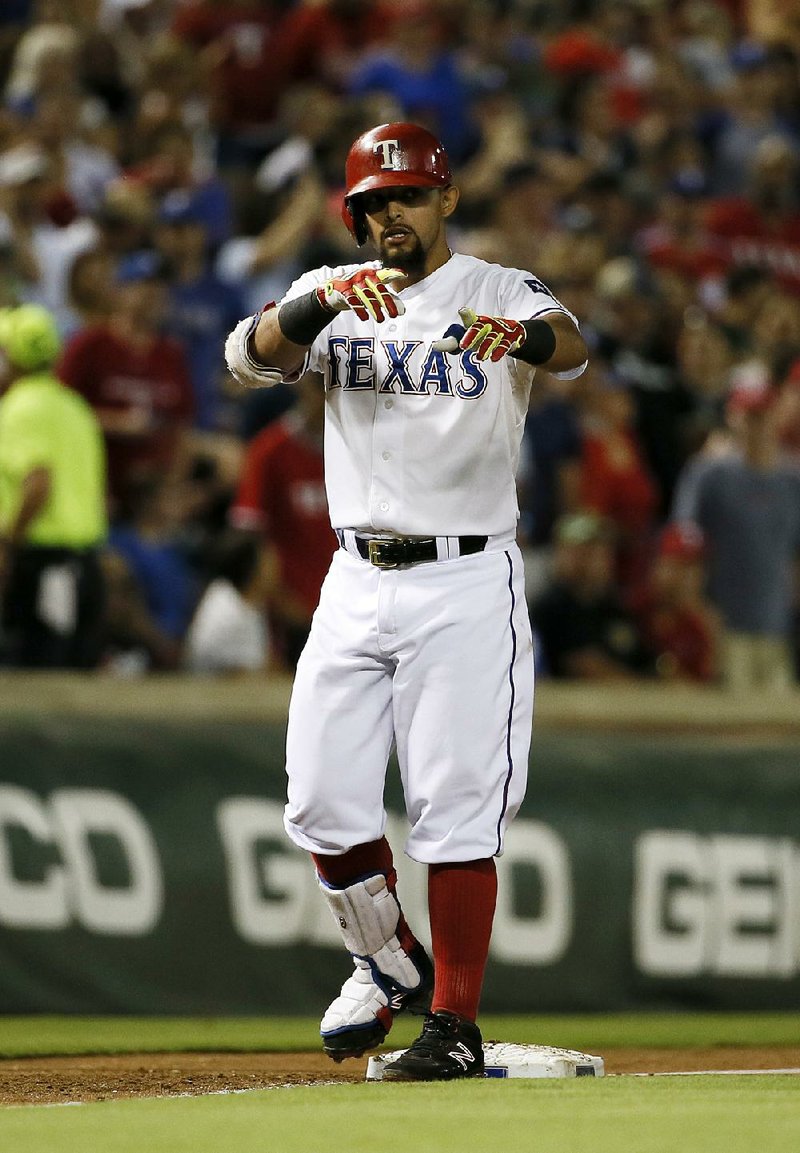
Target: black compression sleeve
539 343
303 319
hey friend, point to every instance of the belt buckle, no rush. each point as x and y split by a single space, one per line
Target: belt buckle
374 555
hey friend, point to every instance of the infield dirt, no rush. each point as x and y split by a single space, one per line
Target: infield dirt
51 1080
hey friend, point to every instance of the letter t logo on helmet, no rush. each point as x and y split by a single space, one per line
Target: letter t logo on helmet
389 150
391 156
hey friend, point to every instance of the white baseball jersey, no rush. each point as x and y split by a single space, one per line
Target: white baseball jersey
420 442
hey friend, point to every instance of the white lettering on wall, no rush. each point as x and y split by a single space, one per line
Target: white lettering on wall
267 881
725 905
541 939
34 904
69 889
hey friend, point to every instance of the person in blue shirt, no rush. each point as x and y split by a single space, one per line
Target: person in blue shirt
201 307
149 541
418 69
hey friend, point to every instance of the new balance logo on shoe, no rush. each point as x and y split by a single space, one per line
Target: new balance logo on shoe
462 1054
448 1047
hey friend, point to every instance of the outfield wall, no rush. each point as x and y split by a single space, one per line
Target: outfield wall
144 869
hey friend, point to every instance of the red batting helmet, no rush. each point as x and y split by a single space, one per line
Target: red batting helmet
391 156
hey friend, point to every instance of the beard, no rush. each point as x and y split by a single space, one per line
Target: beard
410 259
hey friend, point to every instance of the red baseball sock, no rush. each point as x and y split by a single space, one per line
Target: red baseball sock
362 861
461 903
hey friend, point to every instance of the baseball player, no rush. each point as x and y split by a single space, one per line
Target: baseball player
421 637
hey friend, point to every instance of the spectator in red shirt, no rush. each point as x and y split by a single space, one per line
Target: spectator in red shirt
245 69
679 239
762 229
326 40
282 495
136 379
615 480
677 623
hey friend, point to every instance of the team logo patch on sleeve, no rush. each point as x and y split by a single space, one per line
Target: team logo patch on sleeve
536 285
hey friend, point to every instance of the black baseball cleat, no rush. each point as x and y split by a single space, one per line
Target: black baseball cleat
448 1047
362 1015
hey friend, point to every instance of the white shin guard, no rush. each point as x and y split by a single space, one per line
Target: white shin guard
387 978
368 914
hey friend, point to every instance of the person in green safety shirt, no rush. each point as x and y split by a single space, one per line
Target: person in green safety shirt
53 521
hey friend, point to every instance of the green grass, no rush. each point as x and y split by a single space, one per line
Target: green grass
730 1114
40 1036
614 1115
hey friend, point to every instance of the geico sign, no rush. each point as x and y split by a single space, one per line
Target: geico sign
722 905
66 888
275 900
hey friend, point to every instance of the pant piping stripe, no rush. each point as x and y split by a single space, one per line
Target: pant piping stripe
512 687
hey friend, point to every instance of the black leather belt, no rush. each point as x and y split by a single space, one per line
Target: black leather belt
389 553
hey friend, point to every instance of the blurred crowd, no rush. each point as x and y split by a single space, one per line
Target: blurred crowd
168 166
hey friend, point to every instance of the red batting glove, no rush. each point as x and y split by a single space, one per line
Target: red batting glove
490 337
364 291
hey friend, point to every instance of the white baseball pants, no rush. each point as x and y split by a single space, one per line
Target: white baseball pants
437 658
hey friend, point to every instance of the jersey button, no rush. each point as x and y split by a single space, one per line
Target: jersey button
384 506
386 456
388 404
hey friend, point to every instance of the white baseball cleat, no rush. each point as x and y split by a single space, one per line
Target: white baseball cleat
362 1015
